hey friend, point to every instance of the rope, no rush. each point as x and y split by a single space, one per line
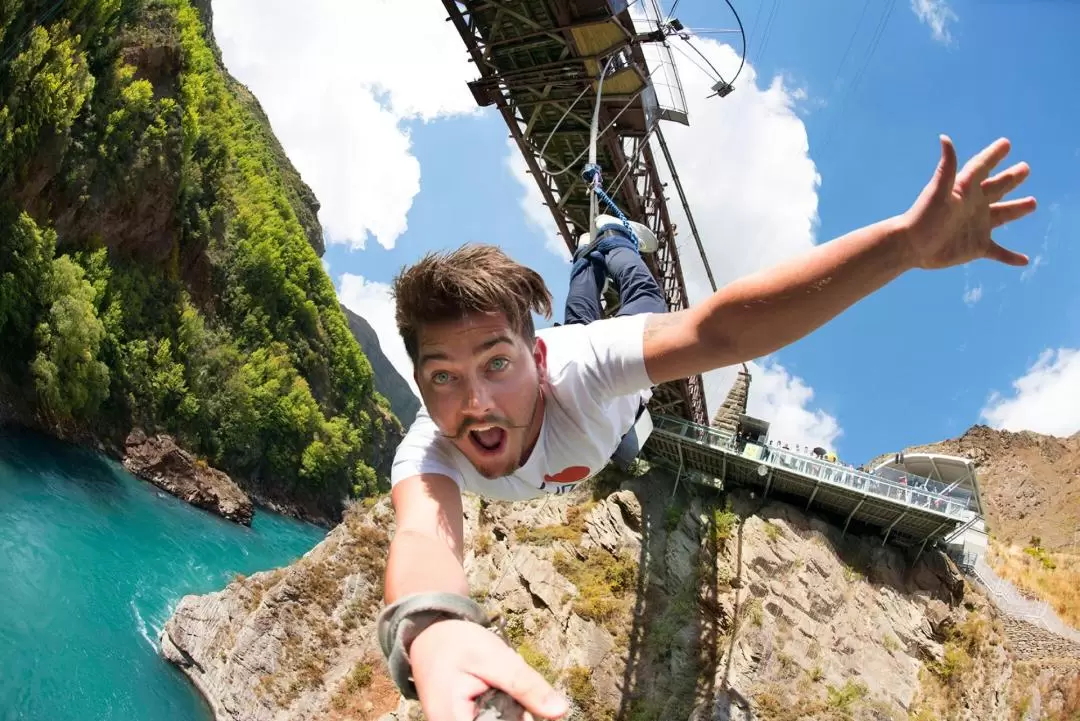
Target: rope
592 177
591 173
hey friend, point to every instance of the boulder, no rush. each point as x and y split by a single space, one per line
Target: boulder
160 461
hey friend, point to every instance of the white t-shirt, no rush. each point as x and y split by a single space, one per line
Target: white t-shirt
598 378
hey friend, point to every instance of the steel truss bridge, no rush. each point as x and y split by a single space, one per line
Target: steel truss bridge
534 58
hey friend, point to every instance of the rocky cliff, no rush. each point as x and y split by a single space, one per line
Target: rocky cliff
1030 485
640 606
161 462
159 259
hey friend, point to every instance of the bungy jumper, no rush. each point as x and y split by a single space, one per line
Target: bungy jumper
394 630
398 625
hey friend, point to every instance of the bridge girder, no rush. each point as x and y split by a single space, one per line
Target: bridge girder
534 58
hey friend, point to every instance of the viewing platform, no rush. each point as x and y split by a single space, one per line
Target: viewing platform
909 509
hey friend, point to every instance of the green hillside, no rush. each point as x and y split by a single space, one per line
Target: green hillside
159 257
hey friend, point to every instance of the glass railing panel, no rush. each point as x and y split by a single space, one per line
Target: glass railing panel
916 491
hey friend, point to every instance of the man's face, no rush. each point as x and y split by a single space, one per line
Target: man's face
480 382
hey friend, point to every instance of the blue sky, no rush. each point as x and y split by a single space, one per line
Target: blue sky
404 162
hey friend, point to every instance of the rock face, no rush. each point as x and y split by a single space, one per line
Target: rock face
294 642
640 607
160 461
1030 642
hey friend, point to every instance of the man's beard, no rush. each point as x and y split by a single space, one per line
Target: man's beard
494 419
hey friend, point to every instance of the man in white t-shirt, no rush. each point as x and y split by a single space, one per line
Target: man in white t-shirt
595 379
513 413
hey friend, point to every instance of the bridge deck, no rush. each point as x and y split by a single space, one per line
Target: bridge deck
907 514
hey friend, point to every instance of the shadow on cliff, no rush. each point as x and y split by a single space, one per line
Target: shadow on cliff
689 612
676 636
28 451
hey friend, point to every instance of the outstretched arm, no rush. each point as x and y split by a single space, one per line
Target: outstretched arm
426 552
950 223
452 662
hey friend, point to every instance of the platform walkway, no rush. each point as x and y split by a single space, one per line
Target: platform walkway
908 509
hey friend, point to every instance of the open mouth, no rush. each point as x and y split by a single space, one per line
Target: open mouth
488 439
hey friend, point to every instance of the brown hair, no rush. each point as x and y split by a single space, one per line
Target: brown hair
475 278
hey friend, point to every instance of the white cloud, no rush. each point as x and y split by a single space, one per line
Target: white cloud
973 295
1036 263
1044 399
373 301
937 14
1040 258
750 182
785 401
338 79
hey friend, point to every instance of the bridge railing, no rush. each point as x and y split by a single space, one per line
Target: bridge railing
954 503
1013 603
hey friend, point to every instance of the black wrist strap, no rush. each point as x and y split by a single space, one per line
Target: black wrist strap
402 621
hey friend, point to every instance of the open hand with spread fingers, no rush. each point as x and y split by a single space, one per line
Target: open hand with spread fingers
953 219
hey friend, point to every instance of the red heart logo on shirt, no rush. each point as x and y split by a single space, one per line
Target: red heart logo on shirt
573 474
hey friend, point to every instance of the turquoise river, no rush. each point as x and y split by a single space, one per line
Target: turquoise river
92 562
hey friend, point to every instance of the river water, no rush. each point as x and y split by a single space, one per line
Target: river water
92 562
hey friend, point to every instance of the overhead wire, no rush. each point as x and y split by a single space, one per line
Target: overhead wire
766 35
868 56
851 40
757 16
879 32
39 20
